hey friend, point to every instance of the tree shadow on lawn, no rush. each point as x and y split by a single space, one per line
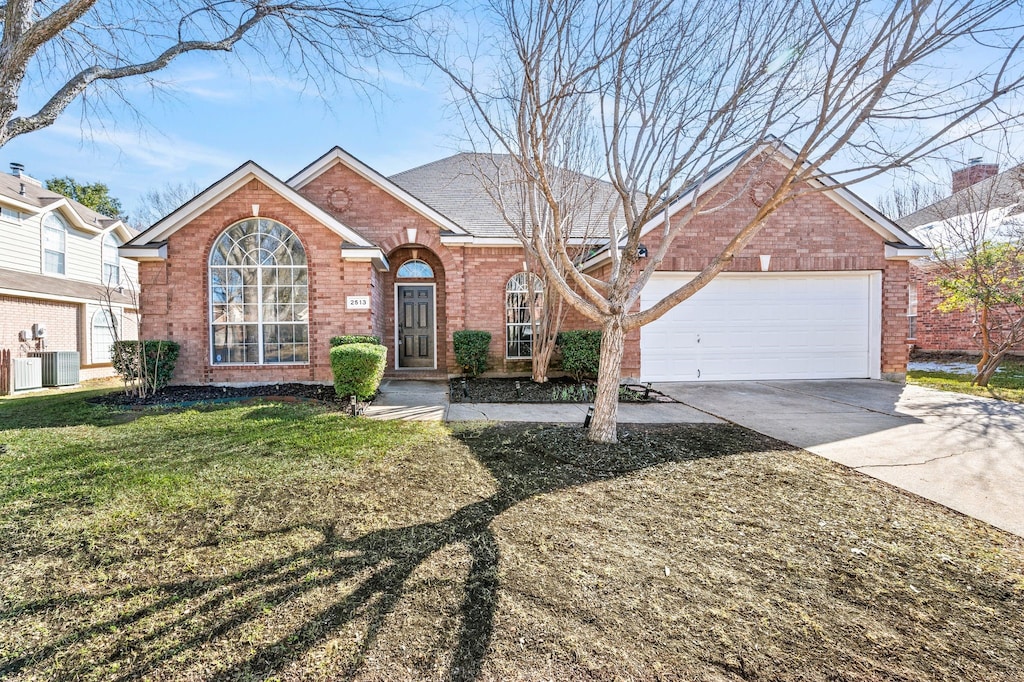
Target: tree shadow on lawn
378 563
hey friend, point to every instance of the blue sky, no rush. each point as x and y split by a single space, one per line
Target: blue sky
214 115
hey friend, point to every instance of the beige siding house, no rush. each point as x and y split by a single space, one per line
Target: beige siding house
63 285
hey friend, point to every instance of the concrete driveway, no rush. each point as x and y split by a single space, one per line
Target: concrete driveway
963 452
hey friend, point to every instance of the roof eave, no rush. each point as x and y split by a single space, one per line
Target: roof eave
152 252
373 255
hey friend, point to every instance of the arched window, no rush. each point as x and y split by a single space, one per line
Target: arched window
111 262
414 269
259 305
55 232
103 334
524 300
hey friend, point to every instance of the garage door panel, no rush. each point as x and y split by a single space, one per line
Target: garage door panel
760 326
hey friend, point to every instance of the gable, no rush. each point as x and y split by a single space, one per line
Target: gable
337 156
149 243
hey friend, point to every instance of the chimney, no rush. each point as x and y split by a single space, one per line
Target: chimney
18 171
974 172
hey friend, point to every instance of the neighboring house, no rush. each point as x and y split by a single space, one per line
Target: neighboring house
255 274
981 197
63 286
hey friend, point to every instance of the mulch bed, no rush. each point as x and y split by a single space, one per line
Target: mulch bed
556 390
179 396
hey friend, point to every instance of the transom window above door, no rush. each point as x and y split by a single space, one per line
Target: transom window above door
414 269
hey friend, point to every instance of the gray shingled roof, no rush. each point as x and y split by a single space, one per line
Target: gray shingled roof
454 187
59 286
40 197
997 191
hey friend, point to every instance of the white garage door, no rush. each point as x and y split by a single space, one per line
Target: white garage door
765 326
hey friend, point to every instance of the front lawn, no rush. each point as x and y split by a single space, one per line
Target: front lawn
289 542
1007 384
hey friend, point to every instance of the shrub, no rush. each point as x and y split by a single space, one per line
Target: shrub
471 349
354 338
151 364
358 368
581 352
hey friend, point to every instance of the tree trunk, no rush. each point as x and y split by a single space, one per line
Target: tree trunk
987 368
541 361
989 362
604 425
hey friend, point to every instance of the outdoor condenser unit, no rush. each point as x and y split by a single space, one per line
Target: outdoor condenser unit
60 367
27 373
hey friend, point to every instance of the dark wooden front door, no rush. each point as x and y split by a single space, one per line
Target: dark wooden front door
415 326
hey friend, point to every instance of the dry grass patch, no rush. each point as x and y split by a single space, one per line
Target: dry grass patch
284 542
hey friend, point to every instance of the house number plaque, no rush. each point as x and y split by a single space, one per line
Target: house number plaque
358 303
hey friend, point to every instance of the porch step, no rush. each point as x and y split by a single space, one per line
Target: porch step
416 375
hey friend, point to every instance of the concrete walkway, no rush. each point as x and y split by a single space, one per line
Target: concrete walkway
574 413
428 400
410 400
963 452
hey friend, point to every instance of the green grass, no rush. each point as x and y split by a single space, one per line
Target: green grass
1007 384
289 542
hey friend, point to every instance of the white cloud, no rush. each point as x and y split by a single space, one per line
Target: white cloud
151 149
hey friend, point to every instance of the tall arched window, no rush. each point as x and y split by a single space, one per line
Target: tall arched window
258 295
111 263
103 334
55 232
524 300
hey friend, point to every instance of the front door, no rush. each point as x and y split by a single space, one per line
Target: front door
415 315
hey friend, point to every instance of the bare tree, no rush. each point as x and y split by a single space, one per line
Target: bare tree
154 204
651 95
84 49
978 240
908 197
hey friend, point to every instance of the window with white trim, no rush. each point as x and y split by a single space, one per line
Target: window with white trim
111 261
258 295
912 311
11 214
55 232
101 339
524 300
414 269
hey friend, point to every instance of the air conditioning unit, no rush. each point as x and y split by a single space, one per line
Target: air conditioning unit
27 373
60 367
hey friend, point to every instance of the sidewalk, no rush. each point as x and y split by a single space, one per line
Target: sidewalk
428 401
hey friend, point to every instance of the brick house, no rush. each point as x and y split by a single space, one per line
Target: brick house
981 196
63 286
254 275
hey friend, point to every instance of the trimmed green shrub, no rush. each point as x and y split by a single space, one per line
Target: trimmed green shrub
354 338
358 368
159 357
471 350
581 352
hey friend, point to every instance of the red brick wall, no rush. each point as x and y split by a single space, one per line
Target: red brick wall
175 293
62 321
811 233
939 331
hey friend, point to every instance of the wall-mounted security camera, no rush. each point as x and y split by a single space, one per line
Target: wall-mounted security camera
39 330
